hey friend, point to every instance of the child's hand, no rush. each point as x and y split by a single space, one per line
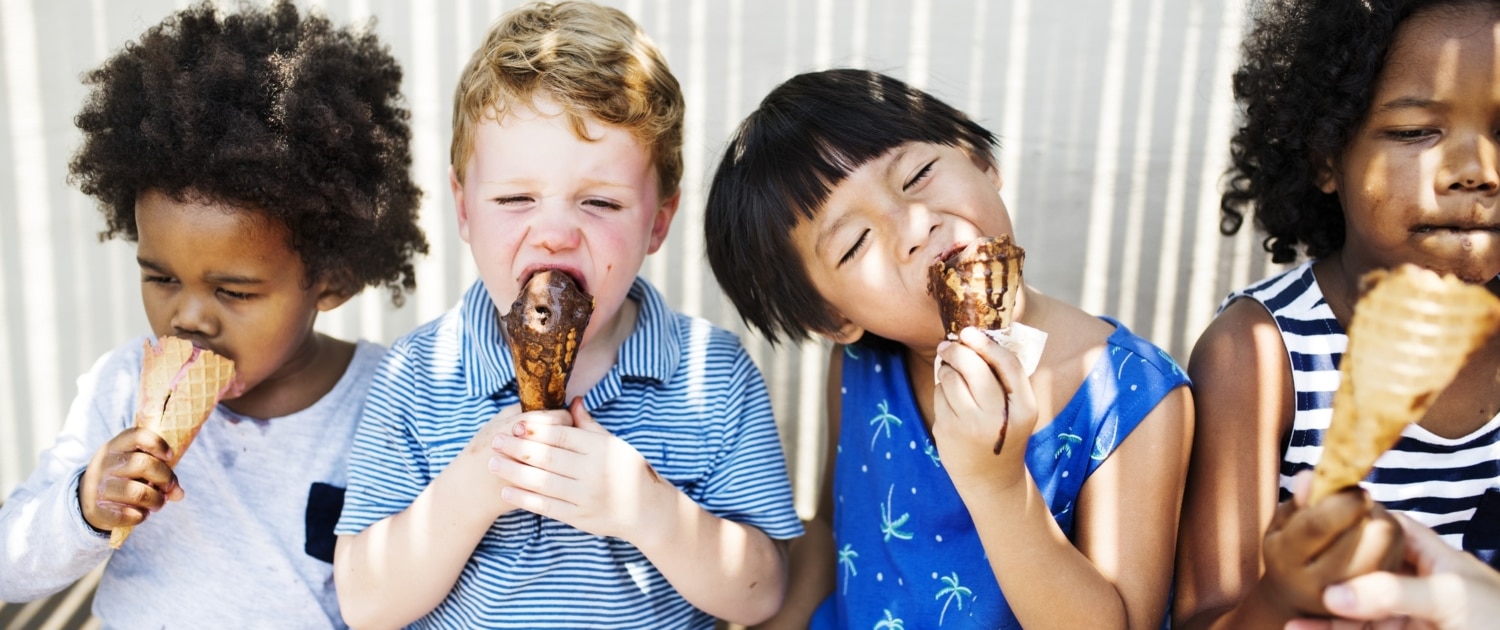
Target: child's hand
482 454
1308 548
583 476
985 410
127 480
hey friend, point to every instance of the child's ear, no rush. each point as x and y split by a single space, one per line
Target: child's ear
845 334
458 202
662 222
1326 180
333 291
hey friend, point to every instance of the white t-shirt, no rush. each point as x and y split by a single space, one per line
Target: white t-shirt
251 544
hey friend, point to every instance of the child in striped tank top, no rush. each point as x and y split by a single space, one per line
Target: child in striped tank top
1369 141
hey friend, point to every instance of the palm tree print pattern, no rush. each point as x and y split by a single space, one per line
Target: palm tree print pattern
890 623
883 420
954 591
892 528
846 562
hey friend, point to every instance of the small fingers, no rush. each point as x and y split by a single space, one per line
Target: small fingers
1311 530
149 443
129 493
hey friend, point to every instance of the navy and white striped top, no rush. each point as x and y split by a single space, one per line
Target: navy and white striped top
682 392
1450 485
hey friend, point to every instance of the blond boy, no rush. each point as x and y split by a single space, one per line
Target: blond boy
659 499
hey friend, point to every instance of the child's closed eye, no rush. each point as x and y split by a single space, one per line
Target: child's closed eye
236 295
603 203
858 245
157 279
1410 135
921 175
512 200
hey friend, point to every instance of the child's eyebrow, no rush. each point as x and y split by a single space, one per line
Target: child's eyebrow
822 243
225 278
1410 102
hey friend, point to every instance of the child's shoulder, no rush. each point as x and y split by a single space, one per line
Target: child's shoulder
693 334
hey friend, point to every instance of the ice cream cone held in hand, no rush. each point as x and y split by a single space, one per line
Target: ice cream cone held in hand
544 328
180 386
977 285
1411 332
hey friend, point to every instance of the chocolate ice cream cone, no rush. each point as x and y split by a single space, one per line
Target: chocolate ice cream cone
544 327
977 285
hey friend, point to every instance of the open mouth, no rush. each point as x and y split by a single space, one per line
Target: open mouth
571 273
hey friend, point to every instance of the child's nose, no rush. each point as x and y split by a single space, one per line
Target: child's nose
193 316
922 222
1473 166
555 228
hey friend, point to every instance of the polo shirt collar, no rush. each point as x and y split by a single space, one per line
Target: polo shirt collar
651 352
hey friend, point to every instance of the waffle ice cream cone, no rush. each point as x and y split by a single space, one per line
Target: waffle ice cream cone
180 386
1411 332
544 327
977 285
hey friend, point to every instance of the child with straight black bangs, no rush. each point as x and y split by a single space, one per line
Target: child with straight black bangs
830 204
1371 139
259 161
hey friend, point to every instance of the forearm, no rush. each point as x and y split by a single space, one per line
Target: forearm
1022 541
402 567
57 547
811 577
727 569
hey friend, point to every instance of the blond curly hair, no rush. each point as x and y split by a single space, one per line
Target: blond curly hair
592 60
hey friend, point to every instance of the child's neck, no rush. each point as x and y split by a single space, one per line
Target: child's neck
300 383
597 354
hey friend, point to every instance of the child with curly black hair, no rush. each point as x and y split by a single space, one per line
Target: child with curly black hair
1369 141
259 160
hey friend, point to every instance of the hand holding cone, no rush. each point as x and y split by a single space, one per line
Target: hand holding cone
544 328
180 386
1412 330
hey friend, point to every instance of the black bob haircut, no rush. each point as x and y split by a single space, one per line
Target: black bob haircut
1304 87
778 170
268 111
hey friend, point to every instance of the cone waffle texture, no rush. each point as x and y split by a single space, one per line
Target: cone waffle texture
1411 332
977 285
180 386
544 327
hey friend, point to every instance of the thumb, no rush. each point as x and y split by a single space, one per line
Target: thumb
1380 595
582 419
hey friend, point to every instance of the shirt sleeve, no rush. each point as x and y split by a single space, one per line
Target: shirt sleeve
749 483
387 466
45 543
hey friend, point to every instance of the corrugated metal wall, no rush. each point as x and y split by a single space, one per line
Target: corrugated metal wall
1114 114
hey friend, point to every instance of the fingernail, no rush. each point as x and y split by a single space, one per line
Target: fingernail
519 429
498 442
494 464
1339 597
943 345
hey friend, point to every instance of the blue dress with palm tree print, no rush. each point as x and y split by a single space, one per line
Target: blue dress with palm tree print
908 554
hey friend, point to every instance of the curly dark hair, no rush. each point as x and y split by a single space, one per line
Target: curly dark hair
265 110
1305 85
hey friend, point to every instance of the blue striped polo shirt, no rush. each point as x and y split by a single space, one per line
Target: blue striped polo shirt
682 392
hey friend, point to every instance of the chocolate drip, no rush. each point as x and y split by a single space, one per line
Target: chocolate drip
977 285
